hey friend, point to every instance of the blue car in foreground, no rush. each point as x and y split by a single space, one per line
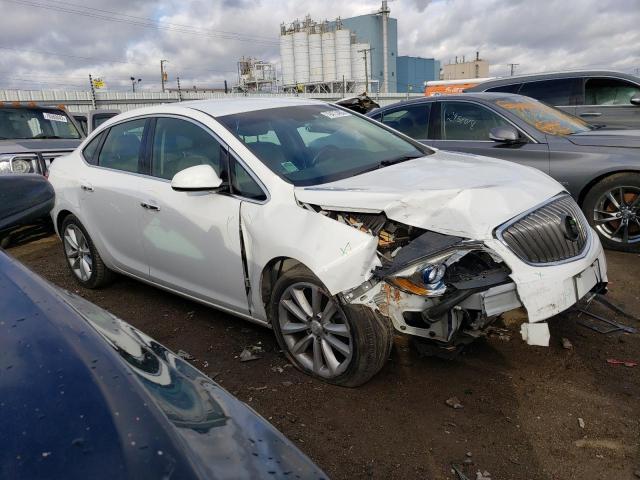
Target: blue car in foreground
85 395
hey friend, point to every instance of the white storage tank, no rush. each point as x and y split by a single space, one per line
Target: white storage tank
329 56
358 63
301 56
343 54
315 57
286 56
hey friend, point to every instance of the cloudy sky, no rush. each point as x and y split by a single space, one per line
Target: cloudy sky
57 44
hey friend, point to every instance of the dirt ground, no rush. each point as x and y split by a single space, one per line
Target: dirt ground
522 405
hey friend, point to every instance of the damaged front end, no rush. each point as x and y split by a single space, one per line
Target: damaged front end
439 287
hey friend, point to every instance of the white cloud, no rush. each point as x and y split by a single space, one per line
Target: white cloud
538 35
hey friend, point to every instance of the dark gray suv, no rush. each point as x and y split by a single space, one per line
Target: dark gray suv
607 98
32 136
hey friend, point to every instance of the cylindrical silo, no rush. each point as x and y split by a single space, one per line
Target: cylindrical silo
343 54
315 57
287 59
329 56
358 62
301 56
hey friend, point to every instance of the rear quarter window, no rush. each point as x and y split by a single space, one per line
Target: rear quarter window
90 152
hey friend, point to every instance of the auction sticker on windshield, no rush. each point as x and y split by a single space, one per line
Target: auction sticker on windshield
54 117
334 114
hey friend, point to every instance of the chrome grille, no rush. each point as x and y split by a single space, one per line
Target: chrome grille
544 235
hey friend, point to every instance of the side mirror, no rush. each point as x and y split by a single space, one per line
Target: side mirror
24 198
200 178
635 100
504 135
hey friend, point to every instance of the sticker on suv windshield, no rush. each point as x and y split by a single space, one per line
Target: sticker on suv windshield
54 117
334 114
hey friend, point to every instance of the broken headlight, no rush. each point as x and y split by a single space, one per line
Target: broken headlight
425 277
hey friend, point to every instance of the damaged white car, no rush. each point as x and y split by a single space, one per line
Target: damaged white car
325 225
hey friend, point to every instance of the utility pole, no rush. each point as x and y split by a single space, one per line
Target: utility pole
179 91
163 74
513 67
93 92
366 68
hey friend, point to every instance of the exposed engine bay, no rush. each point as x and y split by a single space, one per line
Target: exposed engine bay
440 287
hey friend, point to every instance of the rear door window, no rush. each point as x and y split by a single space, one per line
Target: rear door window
556 92
468 121
609 91
121 149
412 120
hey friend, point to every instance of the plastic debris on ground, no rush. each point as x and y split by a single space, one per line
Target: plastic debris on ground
247 355
566 344
454 402
581 422
626 363
185 355
535 334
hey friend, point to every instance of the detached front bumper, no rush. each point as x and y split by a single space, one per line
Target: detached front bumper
545 291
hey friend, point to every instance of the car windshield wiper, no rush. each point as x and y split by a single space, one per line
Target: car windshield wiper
393 161
47 136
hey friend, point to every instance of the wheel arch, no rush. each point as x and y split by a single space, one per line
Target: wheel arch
594 181
270 274
62 214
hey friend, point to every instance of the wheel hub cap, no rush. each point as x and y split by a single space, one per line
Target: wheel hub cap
315 330
616 215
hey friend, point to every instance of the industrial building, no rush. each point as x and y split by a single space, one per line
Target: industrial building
255 76
349 55
461 69
414 72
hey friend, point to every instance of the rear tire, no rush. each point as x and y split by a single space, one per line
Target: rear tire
612 208
344 345
83 259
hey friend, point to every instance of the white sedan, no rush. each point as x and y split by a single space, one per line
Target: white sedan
327 226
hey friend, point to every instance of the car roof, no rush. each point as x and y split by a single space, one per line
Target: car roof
550 76
486 96
230 106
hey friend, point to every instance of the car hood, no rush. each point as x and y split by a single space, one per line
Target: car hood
85 395
607 138
38 145
451 193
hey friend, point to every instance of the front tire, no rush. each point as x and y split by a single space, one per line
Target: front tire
340 344
83 258
612 208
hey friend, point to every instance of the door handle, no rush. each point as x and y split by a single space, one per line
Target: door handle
148 206
590 114
86 188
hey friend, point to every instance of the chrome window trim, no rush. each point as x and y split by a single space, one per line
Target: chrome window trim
500 229
533 140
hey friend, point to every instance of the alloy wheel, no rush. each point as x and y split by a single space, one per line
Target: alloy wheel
315 329
617 215
76 248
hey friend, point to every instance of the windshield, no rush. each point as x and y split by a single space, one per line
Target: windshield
314 144
543 117
30 123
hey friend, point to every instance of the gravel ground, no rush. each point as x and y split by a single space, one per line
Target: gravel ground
523 406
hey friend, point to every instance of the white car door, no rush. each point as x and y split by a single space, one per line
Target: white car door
111 197
192 239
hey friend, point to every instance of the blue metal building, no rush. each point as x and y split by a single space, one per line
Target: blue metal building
412 72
